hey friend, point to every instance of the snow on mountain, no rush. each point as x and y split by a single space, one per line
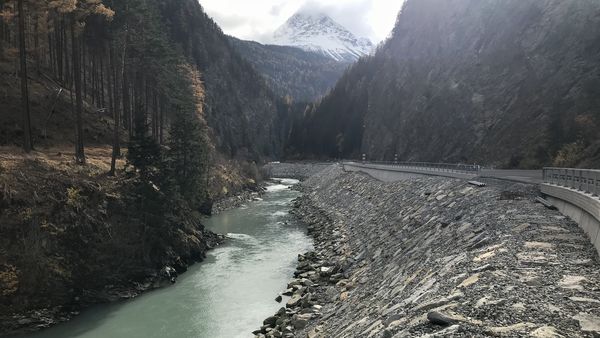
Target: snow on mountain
317 32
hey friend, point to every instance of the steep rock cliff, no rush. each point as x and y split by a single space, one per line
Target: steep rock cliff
512 83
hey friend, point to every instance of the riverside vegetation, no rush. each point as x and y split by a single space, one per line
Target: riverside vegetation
72 236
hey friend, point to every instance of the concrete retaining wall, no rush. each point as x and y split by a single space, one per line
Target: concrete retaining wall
584 209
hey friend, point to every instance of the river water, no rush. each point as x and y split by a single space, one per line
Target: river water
228 295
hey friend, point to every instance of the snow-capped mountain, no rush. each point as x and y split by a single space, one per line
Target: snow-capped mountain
317 32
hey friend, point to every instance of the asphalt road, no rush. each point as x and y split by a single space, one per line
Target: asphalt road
525 176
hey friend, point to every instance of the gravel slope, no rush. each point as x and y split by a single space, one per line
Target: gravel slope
435 257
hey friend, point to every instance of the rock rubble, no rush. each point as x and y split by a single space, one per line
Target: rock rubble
238 200
299 171
435 257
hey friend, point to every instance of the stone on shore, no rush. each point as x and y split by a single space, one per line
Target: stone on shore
439 319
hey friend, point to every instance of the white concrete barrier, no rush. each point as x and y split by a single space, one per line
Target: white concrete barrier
583 208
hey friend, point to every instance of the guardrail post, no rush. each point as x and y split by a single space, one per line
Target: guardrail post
583 180
573 182
597 183
586 176
544 175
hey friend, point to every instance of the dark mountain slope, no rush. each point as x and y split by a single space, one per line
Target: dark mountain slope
291 71
512 83
248 119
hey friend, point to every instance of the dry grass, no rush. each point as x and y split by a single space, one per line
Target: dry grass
61 158
9 280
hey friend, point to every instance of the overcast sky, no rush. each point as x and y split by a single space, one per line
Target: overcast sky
258 19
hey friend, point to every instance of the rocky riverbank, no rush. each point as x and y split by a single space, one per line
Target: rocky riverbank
254 191
69 239
238 200
435 257
300 171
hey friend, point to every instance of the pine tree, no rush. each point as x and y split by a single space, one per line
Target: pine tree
79 148
153 194
2 29
117 74
27 141
79 11
187 157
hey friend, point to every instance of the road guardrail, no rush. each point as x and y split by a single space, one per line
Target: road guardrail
429 166
584 180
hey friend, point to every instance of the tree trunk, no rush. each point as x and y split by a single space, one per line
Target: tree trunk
93 79
27 143
36 44
101 82
79 151
162 124
126 103
116 139
67 69
51 55
84 73
1 31
59 51
155 116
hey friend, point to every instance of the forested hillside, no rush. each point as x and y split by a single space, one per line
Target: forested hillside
137 57
509 83
120 121
292 72
248 119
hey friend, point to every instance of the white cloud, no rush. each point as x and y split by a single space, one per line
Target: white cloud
256 20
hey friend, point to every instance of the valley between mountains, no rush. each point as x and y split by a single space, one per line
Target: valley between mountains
151 159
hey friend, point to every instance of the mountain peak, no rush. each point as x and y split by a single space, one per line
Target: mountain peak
315 31
309 14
